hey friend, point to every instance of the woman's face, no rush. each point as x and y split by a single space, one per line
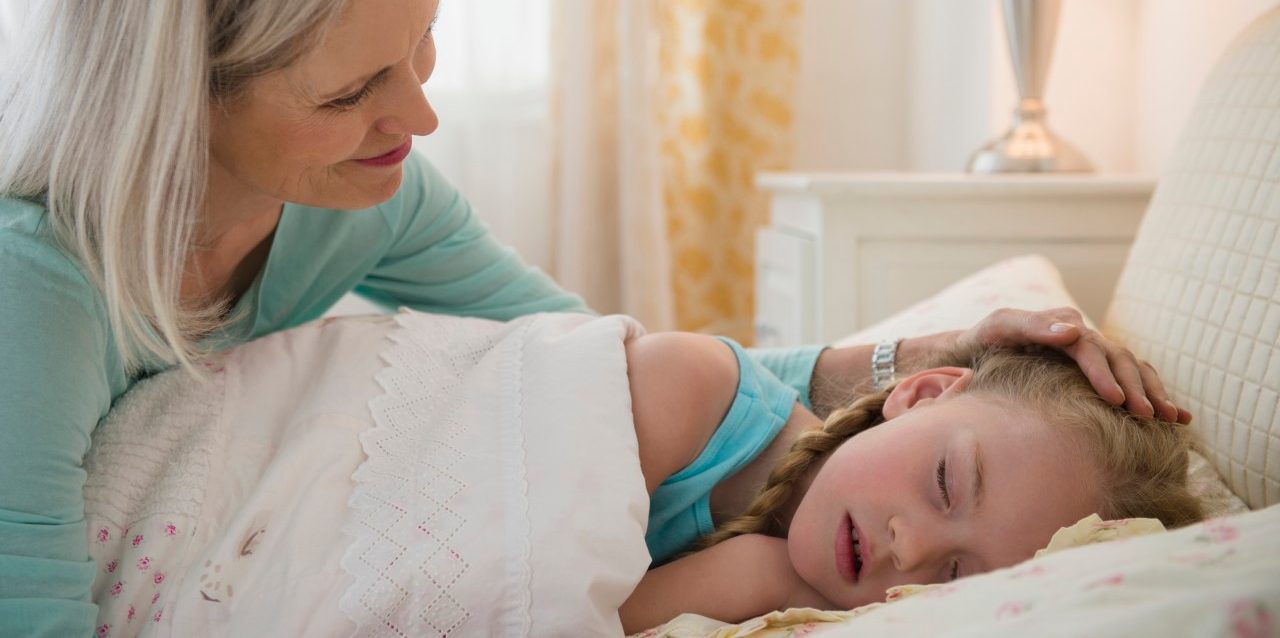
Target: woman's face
331 129
884 483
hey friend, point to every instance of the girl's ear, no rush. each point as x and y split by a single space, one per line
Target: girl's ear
925 387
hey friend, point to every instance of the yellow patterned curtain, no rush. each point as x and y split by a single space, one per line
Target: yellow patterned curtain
726 87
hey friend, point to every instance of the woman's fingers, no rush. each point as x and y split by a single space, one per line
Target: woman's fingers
1125 367
1159 397
1058 327
1118 376
1095 364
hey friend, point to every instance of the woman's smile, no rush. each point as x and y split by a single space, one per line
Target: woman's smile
390 158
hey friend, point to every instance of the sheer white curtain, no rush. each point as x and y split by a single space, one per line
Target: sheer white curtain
546 122
610 241
491 90
545 126
11 14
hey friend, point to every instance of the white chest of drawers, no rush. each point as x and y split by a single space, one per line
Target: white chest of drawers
844 250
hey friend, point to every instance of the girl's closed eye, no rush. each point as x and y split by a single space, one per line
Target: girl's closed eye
942 482
941 475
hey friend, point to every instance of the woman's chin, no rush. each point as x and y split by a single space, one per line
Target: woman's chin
359 192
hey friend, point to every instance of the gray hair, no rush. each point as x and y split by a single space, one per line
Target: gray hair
104 113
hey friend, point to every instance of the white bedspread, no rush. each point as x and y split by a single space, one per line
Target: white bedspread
415 475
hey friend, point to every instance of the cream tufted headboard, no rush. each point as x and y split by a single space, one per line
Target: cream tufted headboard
1200 294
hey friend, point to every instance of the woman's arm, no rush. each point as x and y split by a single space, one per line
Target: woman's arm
837 374
53 389
737 579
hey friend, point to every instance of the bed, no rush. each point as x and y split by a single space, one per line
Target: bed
1199 298
298 514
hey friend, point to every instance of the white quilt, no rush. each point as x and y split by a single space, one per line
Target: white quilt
376 476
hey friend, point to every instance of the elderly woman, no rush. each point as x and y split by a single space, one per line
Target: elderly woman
179 177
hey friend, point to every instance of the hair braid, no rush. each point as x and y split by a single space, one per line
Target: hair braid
761 516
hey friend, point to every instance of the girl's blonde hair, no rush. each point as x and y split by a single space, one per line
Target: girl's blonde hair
104 115
1142 462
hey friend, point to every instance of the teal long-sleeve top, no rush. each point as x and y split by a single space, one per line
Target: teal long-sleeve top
60 370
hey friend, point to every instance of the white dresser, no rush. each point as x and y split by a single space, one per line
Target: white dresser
844 250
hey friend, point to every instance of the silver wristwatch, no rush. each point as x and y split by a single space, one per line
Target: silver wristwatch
883 359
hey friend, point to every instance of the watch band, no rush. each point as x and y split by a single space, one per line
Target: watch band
883 360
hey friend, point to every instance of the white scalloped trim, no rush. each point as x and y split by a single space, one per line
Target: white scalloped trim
387 597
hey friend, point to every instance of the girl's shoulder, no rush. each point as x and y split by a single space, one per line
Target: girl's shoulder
682 385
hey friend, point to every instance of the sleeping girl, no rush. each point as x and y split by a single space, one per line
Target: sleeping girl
967 466
570 475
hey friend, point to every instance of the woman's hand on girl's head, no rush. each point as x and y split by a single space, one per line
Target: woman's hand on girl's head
1117 375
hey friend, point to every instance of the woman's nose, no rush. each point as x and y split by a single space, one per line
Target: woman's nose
411 114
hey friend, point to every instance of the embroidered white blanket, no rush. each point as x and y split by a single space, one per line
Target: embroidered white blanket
376 476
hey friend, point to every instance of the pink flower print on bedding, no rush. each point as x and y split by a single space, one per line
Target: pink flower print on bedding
1251 619
1218 531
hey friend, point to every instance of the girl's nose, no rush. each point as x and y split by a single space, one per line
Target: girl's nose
912 545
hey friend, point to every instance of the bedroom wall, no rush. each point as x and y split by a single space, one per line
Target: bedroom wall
920 84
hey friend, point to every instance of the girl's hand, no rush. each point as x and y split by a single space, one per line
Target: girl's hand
802 595
793 591
1117 375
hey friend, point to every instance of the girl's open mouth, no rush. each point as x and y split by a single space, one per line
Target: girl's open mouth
848 550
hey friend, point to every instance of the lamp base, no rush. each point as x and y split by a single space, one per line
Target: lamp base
1028 147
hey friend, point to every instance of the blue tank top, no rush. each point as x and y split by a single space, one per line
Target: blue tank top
680 509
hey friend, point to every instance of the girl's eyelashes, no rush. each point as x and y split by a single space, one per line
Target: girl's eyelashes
942 482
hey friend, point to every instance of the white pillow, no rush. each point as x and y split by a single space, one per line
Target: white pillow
1029 282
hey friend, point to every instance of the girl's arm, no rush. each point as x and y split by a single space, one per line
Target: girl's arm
682 385
737 579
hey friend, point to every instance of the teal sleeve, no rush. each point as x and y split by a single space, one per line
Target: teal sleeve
53 389
443 259
793 366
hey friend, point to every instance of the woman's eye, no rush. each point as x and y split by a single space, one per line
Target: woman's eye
955 569
942 482
352 100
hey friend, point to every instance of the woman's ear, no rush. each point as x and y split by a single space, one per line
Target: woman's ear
925 387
